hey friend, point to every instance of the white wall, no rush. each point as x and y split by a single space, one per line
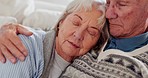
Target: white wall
61 2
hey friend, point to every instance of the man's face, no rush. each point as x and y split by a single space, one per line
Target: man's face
78 33
127 18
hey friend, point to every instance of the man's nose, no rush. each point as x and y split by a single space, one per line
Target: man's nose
110 12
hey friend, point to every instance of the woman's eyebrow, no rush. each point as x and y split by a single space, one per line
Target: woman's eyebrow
78 16
94 28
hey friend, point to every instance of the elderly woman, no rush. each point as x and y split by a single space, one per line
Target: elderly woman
80 29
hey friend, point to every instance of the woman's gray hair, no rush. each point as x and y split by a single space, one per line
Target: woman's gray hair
77 5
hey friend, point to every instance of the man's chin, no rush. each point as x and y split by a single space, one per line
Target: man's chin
116 31
119 35
115 34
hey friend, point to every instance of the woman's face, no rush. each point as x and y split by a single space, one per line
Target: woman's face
78 33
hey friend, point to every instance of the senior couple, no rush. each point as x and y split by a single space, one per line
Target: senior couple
79 45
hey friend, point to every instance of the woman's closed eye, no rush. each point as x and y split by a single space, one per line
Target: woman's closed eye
76 22
92 31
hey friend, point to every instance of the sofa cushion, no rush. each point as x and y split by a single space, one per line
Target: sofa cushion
41 18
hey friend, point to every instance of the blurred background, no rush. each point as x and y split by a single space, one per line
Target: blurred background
33 13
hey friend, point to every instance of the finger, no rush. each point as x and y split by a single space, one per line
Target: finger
8 26
12 48
17 28
2 59
23 30
19 46
9 37
7 54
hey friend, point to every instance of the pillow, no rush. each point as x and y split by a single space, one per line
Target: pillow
16 8
6 19
43 19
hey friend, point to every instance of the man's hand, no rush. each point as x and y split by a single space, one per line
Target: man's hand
11 46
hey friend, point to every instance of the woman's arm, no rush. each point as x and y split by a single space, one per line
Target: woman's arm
11 46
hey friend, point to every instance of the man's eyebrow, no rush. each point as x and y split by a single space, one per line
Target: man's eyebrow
78 16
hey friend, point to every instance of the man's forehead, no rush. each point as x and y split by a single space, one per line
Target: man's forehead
123 0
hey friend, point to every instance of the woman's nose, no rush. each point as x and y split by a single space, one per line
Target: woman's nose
79 34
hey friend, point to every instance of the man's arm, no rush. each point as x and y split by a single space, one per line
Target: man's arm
32 67
11 46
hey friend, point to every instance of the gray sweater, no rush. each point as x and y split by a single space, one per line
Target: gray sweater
53 63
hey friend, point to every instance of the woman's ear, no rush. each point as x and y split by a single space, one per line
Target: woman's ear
60 23
58 26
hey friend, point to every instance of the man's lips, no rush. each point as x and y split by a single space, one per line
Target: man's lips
115 23
74 44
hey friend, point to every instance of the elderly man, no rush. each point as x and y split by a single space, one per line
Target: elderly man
128 26
77 32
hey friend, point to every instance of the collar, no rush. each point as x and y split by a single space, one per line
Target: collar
129 44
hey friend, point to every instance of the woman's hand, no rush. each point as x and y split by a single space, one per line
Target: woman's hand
11 46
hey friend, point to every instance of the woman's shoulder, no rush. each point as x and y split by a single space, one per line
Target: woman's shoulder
37 36
34 45
34 62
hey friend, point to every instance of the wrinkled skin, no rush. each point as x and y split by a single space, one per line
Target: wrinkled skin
127 18
10 44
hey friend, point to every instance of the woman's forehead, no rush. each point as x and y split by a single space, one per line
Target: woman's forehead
87 15
91 21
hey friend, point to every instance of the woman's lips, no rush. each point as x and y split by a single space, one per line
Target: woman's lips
74 44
